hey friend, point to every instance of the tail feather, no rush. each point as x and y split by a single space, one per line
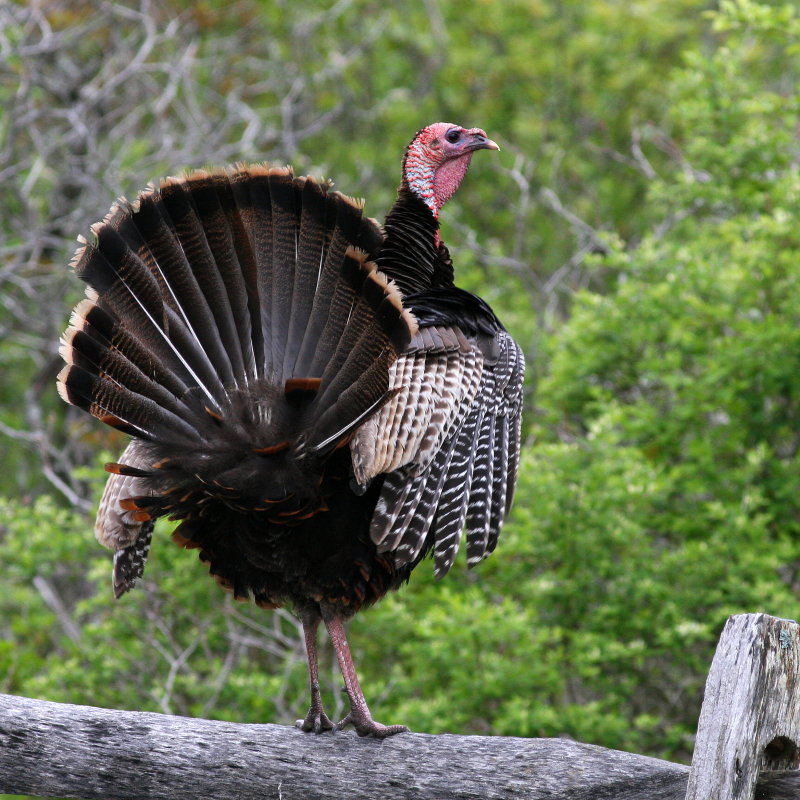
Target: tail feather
121 408
371 297
189 230
84 351
126 290
310 249
234 324
285 234
164 254
235 203
96 322
333 295
350 317
252 198
213 200
358 369
120 276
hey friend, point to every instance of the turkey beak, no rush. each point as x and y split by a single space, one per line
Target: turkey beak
481 142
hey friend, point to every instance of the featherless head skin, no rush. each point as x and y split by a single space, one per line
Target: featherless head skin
437 159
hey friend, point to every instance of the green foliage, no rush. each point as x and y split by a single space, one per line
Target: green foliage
688 373
694 357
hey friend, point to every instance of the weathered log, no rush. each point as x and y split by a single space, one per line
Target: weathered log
747 747
55 749
750 720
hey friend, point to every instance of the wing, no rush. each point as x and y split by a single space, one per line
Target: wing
120 526
447 442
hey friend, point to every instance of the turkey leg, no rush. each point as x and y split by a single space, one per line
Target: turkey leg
359 714
316 720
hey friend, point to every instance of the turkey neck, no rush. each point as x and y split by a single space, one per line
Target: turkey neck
412 253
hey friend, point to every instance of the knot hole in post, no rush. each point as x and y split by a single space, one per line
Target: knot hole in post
780 753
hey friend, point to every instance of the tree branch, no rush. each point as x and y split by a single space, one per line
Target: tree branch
49 749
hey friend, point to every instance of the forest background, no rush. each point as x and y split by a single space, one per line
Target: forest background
637 234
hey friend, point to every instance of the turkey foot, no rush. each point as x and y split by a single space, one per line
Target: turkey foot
366 726
359 716
316 720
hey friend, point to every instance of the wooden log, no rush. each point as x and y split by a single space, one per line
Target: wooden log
55 749
750 720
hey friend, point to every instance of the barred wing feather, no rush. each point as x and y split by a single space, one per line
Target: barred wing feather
447 443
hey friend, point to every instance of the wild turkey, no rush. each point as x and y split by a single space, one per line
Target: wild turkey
307 393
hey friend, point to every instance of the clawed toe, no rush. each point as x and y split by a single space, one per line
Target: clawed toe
368 727
316 722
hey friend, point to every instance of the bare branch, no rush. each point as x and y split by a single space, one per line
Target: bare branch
56 604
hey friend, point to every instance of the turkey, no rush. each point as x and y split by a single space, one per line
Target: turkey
308 394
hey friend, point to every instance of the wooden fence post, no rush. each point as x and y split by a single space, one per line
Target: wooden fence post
750 720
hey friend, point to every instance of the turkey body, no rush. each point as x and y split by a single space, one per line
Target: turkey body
308 394
325 559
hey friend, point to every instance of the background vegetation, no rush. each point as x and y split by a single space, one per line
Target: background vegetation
638 235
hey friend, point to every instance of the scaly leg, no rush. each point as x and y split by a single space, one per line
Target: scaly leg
316 720
359 714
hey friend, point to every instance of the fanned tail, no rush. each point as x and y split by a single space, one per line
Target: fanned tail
236 325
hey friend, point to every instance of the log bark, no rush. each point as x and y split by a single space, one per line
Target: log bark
55 749
750 720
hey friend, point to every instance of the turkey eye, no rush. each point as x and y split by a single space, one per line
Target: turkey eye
453 136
